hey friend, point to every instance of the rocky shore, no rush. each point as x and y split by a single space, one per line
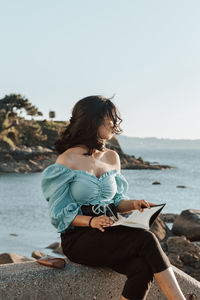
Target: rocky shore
36 158
181 246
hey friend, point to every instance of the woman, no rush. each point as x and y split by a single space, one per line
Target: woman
87 175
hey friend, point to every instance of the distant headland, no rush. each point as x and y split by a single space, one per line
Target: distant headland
154 143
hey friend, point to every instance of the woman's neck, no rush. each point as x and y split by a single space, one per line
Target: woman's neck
95 152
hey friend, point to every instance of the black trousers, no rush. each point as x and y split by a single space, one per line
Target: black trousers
134 252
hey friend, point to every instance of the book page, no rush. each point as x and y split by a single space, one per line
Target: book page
137 218
133 225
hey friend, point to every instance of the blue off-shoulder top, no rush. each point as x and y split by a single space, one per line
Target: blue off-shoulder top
66 190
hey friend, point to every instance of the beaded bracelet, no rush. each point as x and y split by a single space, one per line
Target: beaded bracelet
90 221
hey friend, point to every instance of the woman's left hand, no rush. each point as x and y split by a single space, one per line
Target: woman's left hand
140 204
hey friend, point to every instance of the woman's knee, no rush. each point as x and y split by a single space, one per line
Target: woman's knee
139 267
150 239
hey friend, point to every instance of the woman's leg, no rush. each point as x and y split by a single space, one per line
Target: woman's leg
169 285
166 278
139 278
161 267
121 248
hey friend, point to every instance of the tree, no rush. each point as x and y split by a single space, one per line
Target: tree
11 108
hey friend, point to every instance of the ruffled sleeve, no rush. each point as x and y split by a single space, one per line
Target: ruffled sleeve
122 188
55 184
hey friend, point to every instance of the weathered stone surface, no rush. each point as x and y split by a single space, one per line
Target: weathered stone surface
191 259
168 218
197 244
58 250
175 260
76 282
188 224
181 244
53 245
184 254
8 258
24 162
160 229
37 254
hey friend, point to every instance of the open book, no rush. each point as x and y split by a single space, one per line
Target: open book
139 219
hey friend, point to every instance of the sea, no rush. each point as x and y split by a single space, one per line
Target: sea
24 222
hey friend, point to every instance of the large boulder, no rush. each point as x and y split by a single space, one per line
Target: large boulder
168 217
188 224
184 254
160 229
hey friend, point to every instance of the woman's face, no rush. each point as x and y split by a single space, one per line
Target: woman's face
106 130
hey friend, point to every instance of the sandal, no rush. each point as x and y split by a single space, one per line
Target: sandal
51 261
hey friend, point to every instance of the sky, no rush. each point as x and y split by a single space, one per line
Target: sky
146 52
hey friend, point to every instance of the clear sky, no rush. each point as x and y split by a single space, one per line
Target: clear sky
147 52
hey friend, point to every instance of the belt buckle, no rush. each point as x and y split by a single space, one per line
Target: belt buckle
93 209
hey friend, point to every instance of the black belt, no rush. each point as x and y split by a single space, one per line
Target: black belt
100 209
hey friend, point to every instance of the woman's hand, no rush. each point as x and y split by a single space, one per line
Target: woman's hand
140 204
100 222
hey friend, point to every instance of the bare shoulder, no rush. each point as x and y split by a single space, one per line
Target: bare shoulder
113 159
66 158
112 154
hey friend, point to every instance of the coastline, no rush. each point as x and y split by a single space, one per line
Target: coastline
36 158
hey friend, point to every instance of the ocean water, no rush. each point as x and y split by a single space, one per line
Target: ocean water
186 172
23 209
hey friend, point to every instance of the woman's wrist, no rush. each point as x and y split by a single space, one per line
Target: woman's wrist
133 202
89 224
81 221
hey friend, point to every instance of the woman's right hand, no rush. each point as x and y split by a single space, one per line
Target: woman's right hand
100 222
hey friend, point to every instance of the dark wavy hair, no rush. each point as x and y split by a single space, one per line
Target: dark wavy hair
87 115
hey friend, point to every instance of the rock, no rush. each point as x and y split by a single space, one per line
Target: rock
188 224
21 161
180 244
54 245
58 249
160 229
7 169
140 159
37 254
190 260
33 162
40 148
197 244
181 186
192 297
175 260
185 255
168 218
156 182
8 258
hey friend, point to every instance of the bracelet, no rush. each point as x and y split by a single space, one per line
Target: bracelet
90 221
